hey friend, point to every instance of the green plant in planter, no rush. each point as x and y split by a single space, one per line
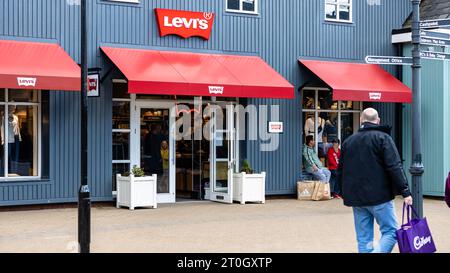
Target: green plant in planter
136 171
246 168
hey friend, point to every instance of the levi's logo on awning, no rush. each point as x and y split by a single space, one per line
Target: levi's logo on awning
26 82
216 90
374 96
185 24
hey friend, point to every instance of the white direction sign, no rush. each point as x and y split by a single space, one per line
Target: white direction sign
390 60
435 34
434 55
435 23
434 41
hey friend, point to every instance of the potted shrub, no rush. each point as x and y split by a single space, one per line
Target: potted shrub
248 186
136 189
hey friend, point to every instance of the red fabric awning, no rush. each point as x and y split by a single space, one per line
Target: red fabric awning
30 65
193 74
360 82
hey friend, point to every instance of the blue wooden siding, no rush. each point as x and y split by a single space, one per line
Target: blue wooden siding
435 124
283 31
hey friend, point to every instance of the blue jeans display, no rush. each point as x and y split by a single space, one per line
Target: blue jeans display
385 216
13 154
322 175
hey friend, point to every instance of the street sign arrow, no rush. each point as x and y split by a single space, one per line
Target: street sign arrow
435 34
434 55
389 60
435 23
434 41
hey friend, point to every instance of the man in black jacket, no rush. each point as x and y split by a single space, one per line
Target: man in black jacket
371 175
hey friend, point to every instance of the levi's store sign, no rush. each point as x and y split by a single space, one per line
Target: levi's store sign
185 24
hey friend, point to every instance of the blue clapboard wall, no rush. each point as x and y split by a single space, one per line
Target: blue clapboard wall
283 31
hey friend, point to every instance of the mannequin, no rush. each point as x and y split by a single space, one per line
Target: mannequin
14 137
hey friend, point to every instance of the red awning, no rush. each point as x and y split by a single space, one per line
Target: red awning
30 65
193 74
360 82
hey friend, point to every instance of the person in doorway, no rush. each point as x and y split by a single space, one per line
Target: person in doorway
333 155
312 163
163 186
152 151
371 174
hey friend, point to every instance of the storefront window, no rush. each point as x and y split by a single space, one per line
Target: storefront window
328 120
338 10
121 147
309 99
350 105
19 122
120 130
326 102
120 90
2 95
121 115
243 6
18 95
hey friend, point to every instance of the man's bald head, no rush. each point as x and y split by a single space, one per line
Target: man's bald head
370 115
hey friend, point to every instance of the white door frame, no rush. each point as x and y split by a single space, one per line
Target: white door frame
135 142
230 131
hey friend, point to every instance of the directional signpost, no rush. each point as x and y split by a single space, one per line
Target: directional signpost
421 35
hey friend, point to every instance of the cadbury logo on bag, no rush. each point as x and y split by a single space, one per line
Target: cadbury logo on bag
420 242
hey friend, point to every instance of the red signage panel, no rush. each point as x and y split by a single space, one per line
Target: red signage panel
185 24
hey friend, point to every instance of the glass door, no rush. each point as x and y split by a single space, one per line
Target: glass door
222 159
154 145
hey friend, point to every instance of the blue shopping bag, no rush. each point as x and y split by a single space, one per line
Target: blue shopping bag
415 235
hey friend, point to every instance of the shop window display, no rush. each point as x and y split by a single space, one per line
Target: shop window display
327 120
19 113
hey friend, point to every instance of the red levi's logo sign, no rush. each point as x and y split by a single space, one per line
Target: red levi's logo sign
185 24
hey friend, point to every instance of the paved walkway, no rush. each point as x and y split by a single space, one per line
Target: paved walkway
277 226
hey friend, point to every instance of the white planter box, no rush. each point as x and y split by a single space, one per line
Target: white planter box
249 187
135 192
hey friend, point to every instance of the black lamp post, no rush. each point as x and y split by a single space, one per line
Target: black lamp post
417 168
84 200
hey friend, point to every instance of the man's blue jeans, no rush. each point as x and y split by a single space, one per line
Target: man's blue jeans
323 175
385 216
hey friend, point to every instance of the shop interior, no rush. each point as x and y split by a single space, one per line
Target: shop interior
192 157
326 119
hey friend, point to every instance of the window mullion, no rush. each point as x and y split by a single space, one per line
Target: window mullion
5 137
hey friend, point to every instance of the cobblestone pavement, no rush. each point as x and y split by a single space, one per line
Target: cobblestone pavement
285 225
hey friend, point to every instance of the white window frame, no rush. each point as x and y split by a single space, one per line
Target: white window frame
38 153
241 8
125 131
338 20
317 112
